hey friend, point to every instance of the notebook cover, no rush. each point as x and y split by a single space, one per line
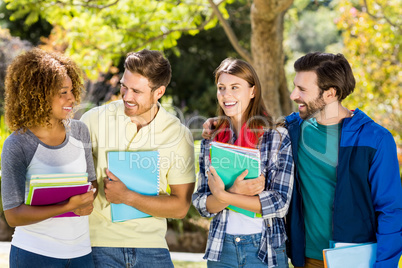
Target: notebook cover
139 171
229 164
57 194
355 256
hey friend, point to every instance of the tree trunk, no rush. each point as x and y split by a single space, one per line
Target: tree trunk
267 19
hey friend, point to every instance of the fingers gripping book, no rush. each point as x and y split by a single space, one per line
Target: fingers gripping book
139 171
48 189
230 161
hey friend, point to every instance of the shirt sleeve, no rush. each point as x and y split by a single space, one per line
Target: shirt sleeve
279 174
88 152
80 131
13 173
386 194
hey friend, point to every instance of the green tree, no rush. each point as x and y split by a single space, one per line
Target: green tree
266 51
372 36
99 32
312 27
18 27
193 87
309 27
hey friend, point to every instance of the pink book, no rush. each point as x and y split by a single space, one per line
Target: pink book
49 195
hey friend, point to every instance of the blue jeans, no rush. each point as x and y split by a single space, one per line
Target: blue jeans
20 258
242 251
131 257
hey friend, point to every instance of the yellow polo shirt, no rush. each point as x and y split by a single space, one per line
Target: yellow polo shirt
112 130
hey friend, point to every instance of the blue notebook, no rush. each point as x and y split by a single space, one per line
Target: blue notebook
230 161
139 171
351 256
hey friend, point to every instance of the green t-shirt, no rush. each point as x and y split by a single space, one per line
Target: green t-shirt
317 161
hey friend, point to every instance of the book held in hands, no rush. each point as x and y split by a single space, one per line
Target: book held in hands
49 189
230 161
350 255
139 171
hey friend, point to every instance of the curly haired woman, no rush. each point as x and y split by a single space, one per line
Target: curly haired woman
41 90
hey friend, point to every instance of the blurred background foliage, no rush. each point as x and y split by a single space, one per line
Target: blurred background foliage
98 33
372 37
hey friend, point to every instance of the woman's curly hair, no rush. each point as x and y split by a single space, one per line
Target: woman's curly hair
33 79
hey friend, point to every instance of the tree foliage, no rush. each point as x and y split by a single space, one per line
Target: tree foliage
372 36
18 27
99 32
313 29
10 47
193 86
309 27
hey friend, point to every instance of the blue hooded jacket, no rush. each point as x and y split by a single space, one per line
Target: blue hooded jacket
367 205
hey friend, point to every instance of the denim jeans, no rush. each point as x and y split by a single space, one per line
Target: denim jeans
242 251
131 257
20 258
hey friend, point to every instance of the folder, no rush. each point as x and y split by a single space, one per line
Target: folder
352 256
48 189
230 161
139 171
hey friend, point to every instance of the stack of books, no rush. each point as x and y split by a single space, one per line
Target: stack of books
230 161
49 189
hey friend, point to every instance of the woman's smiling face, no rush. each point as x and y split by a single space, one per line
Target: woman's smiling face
63 102
234 95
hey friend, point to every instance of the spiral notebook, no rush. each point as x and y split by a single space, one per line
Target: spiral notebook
139 171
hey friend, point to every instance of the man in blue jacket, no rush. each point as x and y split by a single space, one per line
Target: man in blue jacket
347 183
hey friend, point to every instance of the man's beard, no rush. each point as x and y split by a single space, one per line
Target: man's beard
313 107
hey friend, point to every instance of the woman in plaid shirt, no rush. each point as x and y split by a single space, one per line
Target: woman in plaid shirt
235 239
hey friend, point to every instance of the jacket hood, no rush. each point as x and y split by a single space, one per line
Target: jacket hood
355 122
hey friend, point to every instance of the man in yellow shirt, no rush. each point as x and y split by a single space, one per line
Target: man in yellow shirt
139 123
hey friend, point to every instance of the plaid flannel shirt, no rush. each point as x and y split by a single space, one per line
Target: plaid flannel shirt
277 167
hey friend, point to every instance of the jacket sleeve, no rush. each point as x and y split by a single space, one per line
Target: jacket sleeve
200 196
386 194
279 174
